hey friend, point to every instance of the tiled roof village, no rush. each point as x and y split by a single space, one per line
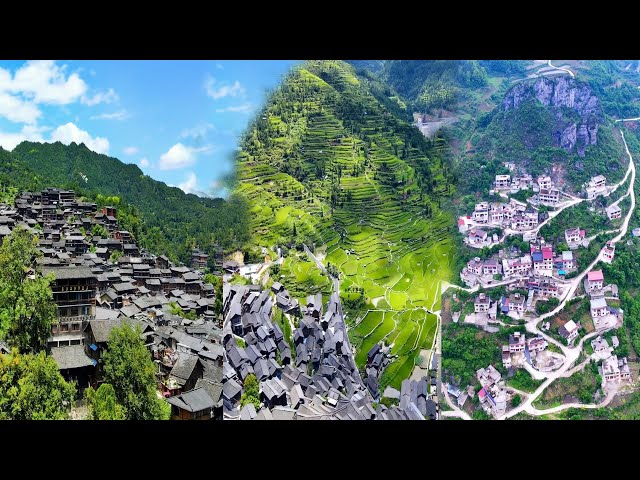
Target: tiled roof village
313 374
94 295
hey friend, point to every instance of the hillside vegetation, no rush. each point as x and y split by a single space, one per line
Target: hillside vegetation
332 161
172 221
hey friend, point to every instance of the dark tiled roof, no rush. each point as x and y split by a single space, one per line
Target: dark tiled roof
70 357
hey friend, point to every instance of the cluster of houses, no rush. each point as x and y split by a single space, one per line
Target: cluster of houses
514 214
612 369
512 184
520 349
310 375
493 395
460 395
93 295
603 316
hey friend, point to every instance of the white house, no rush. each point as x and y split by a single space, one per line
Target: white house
614 212
544 182
481 304
503 181
595 279
599 308
569 330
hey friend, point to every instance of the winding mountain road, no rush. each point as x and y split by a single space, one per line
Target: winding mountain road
571 353
561 68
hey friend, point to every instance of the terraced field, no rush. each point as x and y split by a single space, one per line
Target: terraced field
327 165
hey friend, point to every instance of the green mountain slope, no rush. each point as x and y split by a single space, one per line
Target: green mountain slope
172 221
327 161
545 124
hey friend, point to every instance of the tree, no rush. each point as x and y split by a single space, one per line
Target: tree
516 400
31 388
115 256
103 404
26 301
99 231
480 414
129 368
251 392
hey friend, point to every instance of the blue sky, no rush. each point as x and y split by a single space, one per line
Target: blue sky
179 121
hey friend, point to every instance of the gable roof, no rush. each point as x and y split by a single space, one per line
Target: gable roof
70 357
193 401
595 276
102 328
184 366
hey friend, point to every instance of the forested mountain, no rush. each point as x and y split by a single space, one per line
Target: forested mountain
172 222
429 84
334 160
545 125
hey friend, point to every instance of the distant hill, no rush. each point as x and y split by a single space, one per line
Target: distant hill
544 124
172 221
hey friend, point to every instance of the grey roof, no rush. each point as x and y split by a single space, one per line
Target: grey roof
102 328
130 310
231 388
106 313
248 412
214 389
598 303
70 357
123 287
66 273
193 401
184 366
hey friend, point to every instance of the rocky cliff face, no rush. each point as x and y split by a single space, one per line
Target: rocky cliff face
572 131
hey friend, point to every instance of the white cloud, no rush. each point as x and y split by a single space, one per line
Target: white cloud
43 81
32 133
108 96
69 132
119 115
144 162
177 156
219 66
223 90
180 156
17 110
130 150
190 185
198 131
244 108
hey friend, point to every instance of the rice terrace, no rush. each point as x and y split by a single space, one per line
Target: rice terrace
330 164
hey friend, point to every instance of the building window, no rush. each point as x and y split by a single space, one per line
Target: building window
64 327
75 327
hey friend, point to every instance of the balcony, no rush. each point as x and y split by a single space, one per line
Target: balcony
76 318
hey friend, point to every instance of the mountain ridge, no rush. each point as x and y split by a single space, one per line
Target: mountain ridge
173 221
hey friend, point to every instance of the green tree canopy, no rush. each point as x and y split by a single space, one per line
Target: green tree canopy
129 369
26 301
251 392
31 388
103 404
